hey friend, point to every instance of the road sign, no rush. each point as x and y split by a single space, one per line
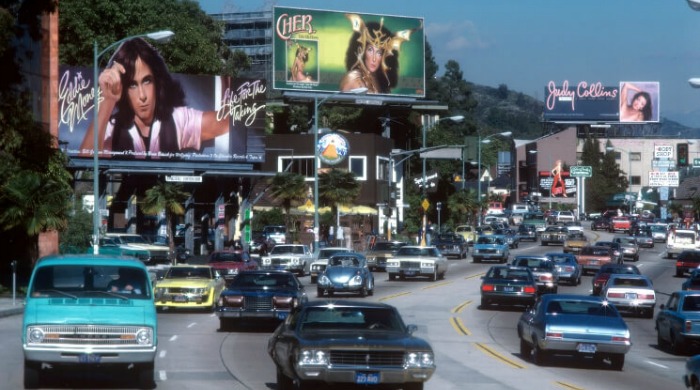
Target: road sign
183 179
581 171
486 176
425 204
696 163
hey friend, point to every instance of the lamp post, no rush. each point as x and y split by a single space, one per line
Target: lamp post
317 104
157 36
424 180
486 140
439 209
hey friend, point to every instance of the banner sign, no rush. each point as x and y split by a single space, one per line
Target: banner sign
330 51
664 179
594 102
663 151
561 186
213 119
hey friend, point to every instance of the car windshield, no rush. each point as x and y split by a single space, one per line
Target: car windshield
287 249
448 237
333 318
264 281
571 306
75 281
508 274
533 263
560 258
386 246
325 253
344 261
596 251
226 256
189 272
630 282
691 303
490 240
413 251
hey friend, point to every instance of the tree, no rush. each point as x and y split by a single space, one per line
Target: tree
288 188
337 187
170 198
463 207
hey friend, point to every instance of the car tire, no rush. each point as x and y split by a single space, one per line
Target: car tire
539 356
485 303
413 386
677 347
319 293
434 278
679 273
145 375
617 361
314 279
225 324
392 276
32 375
525 349
284 382
660 342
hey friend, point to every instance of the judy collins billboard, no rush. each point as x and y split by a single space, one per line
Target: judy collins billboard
628 102
148 114
329 51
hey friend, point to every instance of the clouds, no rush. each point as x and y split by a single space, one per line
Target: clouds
454 36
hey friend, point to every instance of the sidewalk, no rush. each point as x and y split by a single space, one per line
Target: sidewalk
8 309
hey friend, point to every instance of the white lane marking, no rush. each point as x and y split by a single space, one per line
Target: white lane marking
192 324
162 353
162 375
173 338
656 364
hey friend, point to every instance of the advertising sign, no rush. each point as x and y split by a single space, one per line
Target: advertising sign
592 101
212 118
332 148
330 51
664 179
556 182
663 151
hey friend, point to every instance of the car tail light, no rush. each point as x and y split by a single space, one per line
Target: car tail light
283 302
487 287
546 278
530 289
554 335
645 296
679 263
620 339
569 268
688 326
233 300
616 295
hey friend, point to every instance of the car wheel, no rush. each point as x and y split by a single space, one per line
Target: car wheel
145 376
225 324
319 292
617 361
392 276
413 386
314 279
679 273
677 347
539 356
284 382
649 313
660 342
525 349
363 291
434 278
485 303
32 375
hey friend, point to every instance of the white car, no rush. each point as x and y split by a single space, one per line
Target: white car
410 261
631 293
320 262
288 257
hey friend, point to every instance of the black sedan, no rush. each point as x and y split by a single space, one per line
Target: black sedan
259 295
363 343
527 232
600 224
451 244
504 284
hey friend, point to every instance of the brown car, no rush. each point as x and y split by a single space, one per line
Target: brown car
592 258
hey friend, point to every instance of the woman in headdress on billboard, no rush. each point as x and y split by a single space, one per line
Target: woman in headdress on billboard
372 57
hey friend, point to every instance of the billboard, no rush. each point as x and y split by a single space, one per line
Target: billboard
557 182
211 118
627 102
330 51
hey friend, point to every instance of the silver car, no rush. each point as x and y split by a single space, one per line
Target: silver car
632 293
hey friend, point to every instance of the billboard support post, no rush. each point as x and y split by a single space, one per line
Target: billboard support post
96 216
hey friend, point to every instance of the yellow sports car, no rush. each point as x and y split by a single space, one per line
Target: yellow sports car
188 286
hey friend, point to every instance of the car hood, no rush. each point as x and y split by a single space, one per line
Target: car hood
113 311
354 338
488 246
260 292
189 283
335 273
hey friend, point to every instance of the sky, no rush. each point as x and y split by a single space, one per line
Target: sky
524 44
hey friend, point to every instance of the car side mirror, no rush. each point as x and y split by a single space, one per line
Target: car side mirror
662 306
411 328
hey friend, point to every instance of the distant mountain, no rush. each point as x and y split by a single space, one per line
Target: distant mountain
506 110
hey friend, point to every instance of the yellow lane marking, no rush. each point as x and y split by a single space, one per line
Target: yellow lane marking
436 285
461 306
395 295
568 386
498 356
459 326
475 276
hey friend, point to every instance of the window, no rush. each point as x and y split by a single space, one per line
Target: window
383 169
301 165
358 166
635 156
635 180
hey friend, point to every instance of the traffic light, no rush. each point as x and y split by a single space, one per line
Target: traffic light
682 155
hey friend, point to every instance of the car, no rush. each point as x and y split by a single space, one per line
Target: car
693 281
288 257
346 272
451 244
512 238
606 270
691 378
687 261
544 270
568 268
565 216
555 234
592 258
137 244
188 287
527 232
644 237
275 233
259 295
574 242
659 231
414 260
574 227
629 246
600 223
378 254
260 245
491 247
620 223
536 219
325 344
503 284
678 322
72 319
468 232
320 262
182 254
228 263
633 293
501 218
618 256
681 240
578 325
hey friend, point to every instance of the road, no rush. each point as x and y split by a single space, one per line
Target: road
473 346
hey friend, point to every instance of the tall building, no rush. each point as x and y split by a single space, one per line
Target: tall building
250 32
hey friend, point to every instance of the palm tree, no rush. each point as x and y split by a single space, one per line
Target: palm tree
169 197
288 188
337 187
461 204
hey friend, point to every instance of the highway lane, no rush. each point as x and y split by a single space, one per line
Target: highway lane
473 346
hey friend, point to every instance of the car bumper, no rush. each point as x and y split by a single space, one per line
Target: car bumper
183 301
228 312
341 374
572 345
513 299
422 271
90 354
627 305
284 267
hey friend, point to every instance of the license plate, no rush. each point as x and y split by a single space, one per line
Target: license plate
594 262
88 358
367 378
508 288
179 298
410 273
282 315
630 296
586 348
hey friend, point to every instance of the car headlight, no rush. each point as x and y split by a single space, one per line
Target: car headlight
427 264
323 280
294 260
355 281
419 359
313 357
266 261
392 263
144 336
35 335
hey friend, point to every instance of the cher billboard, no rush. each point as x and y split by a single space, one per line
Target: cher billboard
149 114
330 51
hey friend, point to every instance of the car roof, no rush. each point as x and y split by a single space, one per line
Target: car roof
348 303
563 297
89 259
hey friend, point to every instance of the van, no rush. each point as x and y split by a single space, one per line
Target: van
519 208
494 208
76 317
276 233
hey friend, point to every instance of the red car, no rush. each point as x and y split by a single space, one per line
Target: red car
228 263
605 271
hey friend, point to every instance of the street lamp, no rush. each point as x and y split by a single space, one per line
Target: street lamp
424 187
486 140
439 209
157 36
317 104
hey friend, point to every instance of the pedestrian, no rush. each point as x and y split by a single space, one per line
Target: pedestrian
331 236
